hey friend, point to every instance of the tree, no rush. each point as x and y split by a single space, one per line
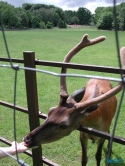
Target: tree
35 15
9 17
46 15
97 14
60 13
74 20
27 6
55 19
121 19
42 25
84 16
22 14
35 22
104 17
105 21
29 16
49 25
69 16
121 16
62 24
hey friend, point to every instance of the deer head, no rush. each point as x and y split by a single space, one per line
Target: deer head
70 111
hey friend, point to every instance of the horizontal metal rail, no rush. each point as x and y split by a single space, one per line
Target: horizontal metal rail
114 70
21 109
102 134
83 129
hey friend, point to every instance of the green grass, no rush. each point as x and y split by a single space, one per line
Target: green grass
53 45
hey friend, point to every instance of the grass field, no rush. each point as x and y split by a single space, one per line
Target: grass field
53 45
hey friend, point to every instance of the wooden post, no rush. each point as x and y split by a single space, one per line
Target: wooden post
32 101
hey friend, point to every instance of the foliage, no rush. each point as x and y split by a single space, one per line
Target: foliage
74 20
104 18
84 16
105 21
42 25
61 24
9 16
49 25
71 17
97 14
32 15
121 16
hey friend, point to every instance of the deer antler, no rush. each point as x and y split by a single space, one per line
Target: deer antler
99 99
122 56
108 94
83 43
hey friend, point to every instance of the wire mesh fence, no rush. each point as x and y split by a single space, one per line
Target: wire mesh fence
68 151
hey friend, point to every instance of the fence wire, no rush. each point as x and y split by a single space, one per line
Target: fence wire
17 68
122 94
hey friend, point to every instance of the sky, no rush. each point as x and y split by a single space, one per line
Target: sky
68 4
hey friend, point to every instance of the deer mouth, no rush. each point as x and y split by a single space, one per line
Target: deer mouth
29 143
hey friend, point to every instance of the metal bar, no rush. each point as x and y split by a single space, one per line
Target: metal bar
21 109
104 69
12 59
6 104
32 101
102 134
83 129
80 66
29 153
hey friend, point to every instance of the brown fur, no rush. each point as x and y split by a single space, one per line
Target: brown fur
99 119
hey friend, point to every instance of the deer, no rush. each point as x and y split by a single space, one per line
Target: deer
93 106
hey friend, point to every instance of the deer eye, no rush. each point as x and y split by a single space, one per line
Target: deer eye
64 126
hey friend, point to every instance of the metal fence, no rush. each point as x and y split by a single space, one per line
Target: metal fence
32 100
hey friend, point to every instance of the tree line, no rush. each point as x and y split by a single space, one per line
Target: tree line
49 16
104 17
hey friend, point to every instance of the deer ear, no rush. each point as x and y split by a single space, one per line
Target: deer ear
77 95
91 109
84 111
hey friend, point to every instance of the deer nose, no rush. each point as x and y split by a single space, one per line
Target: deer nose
28 141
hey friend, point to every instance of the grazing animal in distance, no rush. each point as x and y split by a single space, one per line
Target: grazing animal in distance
93 106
